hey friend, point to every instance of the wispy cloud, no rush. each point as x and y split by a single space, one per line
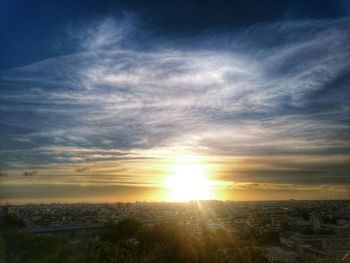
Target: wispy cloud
105 34
267 90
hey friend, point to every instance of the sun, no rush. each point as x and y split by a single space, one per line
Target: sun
188 181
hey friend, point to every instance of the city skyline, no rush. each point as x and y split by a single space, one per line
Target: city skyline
174 101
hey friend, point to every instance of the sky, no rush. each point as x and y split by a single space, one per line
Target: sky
101 101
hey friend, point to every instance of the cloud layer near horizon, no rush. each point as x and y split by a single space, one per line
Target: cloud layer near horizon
274 92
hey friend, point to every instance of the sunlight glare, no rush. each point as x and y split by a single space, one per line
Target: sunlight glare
188 181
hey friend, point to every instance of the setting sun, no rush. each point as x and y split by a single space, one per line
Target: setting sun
188 182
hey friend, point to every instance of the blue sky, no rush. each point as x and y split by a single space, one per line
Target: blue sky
106 94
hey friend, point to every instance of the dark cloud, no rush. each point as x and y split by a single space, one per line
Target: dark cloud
307 170
82 169
29 173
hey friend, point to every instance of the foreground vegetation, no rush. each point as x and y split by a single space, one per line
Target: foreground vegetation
127 241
